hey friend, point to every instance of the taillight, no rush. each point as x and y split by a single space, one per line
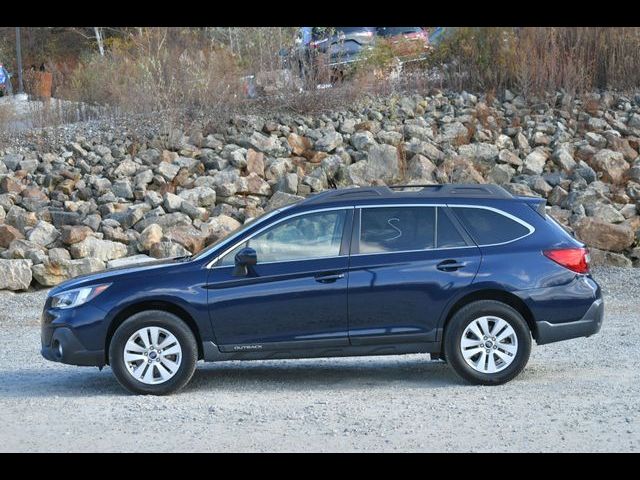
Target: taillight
575 259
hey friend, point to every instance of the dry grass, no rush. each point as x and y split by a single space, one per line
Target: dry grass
535 60
183 76
7 115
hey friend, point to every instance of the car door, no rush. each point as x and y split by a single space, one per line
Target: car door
406 263
296 294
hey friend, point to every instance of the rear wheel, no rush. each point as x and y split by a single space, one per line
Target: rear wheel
153 352
487 342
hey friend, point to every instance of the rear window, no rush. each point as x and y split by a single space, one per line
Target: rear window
393 31
487 227
396 229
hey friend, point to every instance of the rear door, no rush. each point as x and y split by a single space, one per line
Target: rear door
406 263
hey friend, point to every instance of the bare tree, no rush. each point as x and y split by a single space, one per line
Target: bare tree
99 39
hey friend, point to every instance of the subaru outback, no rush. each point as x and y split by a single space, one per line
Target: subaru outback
470 274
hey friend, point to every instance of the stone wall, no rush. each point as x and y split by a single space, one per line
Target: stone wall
102 197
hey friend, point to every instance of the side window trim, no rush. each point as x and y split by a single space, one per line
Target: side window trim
500 212
215 262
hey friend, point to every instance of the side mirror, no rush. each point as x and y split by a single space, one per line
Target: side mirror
244 258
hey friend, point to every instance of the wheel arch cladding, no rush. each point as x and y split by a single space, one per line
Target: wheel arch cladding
498 295
153 305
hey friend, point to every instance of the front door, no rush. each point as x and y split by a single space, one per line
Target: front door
403 272
296 294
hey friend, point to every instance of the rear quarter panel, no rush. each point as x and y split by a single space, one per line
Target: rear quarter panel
551 292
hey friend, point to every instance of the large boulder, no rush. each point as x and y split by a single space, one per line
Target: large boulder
454 133
534 162
52 272
264 143
15 274
199 196
362 140
74 233
484 153
382 163
166 249
20 218
602 257
611 164
150 236
8 234
461 170
605 236
298 143
281 199
43 234
421 170
219 227
255 162
103 250
188 236
329 141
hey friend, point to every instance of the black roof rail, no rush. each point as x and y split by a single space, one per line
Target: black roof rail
343 192
431 190
461 189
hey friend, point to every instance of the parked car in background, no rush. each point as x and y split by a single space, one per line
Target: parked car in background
330 48
342 45
438 34
407 43
5 82
467 273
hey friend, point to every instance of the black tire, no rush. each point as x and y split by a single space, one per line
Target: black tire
172 324
467 314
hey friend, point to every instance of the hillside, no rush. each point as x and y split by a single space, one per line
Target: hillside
80 198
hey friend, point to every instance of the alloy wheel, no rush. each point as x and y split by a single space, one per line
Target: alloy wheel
152 355
489 344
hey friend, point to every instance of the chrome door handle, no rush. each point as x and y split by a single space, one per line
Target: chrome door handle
329 278
450 265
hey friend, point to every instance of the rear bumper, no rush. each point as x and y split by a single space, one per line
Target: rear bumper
64 347
588 325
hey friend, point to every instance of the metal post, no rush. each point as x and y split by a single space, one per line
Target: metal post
19 55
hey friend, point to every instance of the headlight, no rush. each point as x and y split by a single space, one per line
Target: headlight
77 296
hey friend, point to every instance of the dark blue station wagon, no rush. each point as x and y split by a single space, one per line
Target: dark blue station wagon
467 273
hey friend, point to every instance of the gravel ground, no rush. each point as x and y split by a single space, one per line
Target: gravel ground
579 395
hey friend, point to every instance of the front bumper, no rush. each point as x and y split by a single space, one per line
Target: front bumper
74 336
588 325
64 347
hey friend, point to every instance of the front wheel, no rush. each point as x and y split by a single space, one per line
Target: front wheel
153 352
487 342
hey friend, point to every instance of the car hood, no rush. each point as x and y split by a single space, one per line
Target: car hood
112 274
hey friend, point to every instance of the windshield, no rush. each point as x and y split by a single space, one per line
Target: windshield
236 233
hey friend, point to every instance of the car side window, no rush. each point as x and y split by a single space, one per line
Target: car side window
395 229
448 234
314 235
487 227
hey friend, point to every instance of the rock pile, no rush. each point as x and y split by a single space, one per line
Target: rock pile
105 198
